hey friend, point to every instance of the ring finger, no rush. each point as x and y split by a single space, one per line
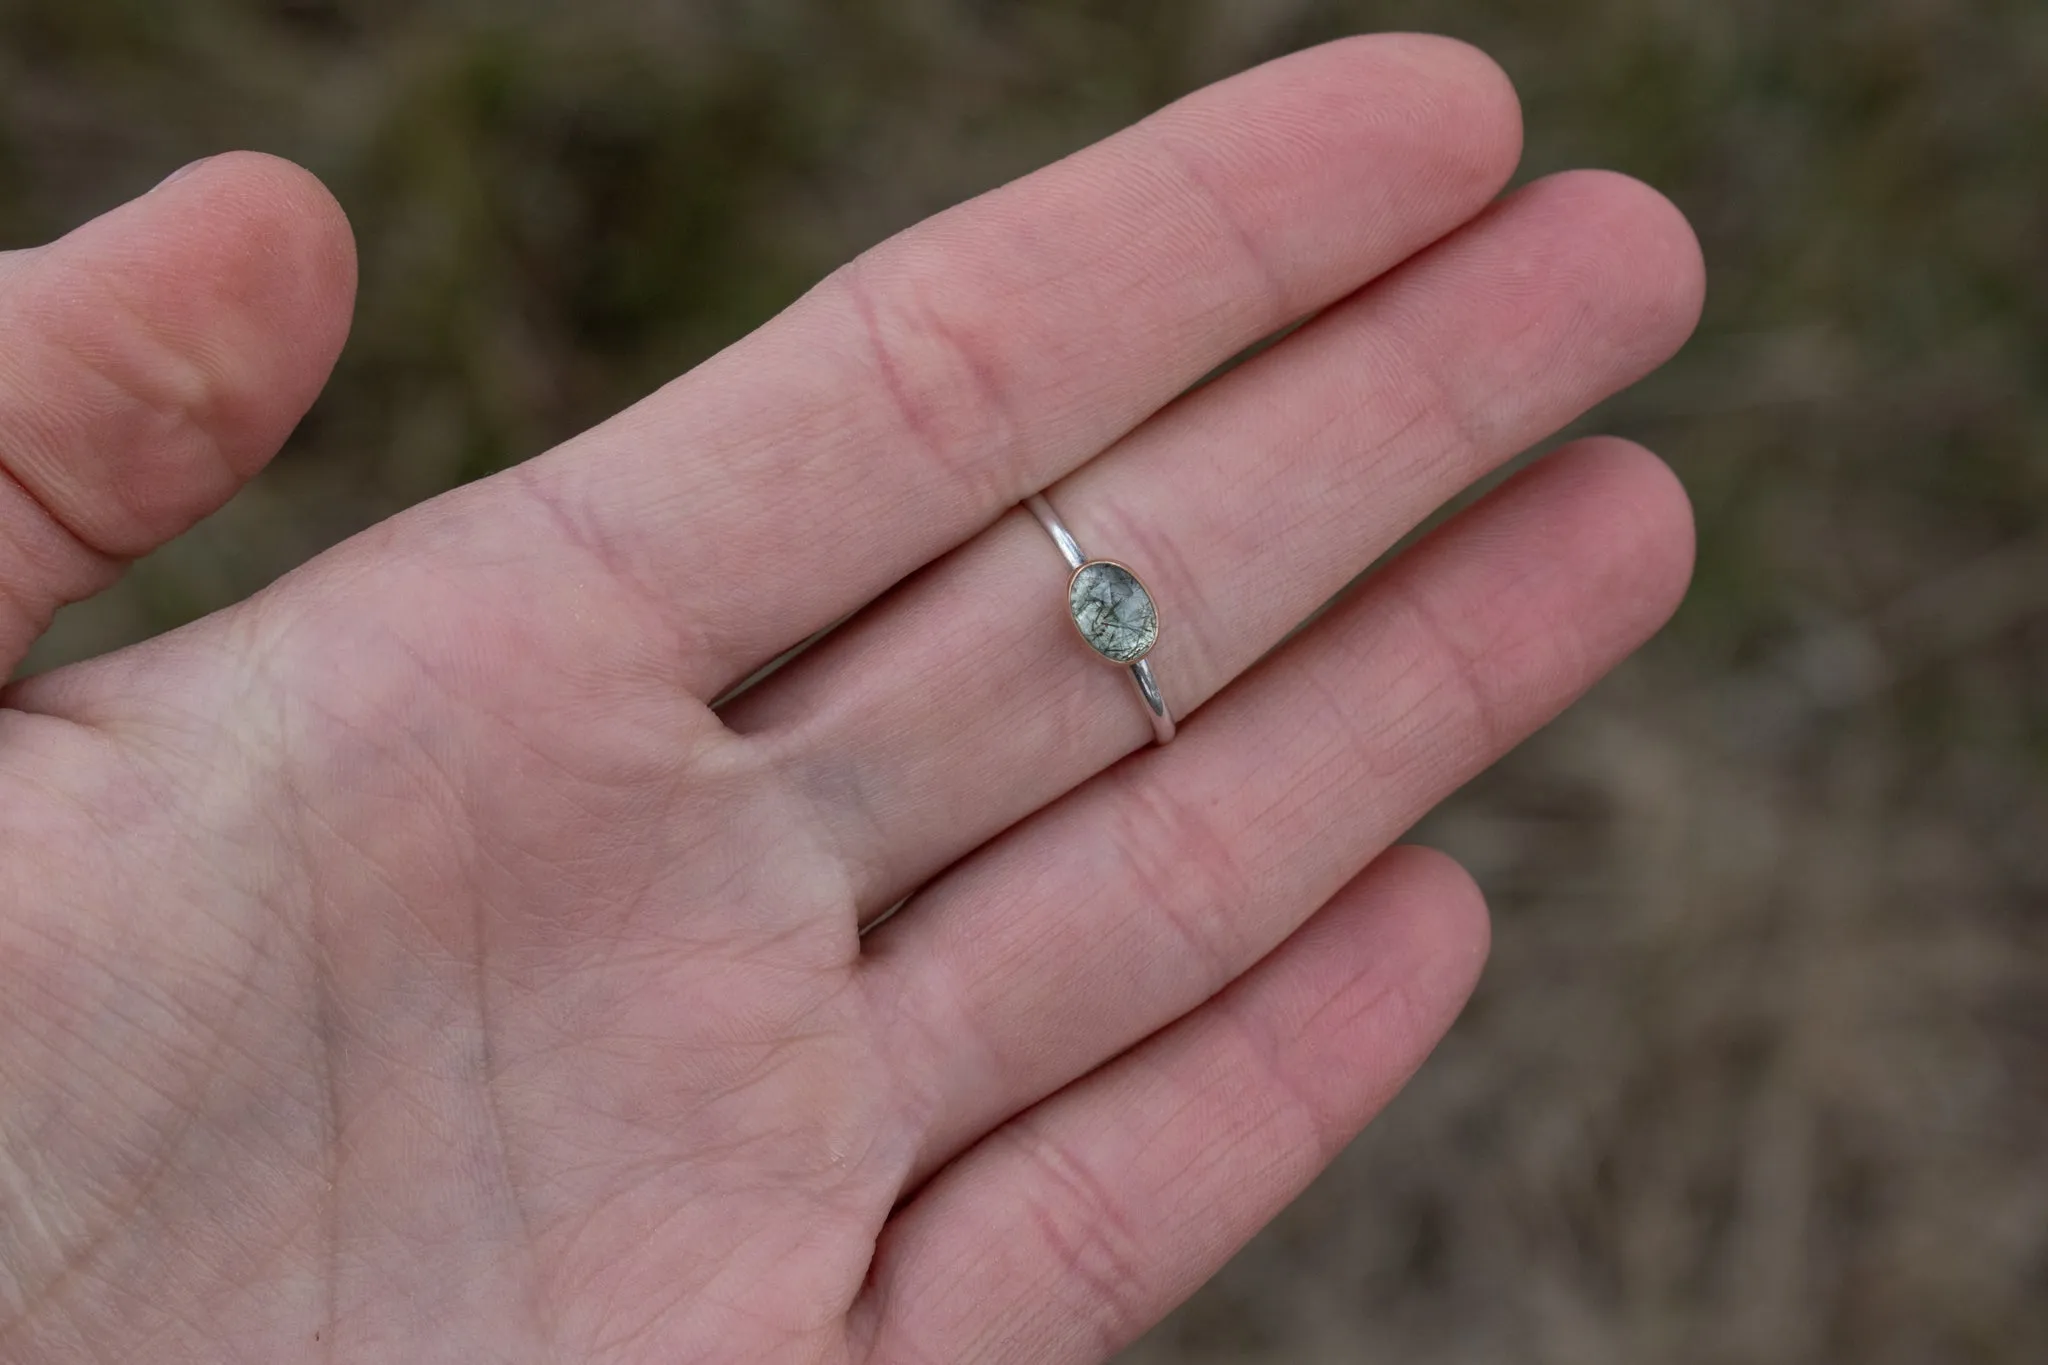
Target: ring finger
961 702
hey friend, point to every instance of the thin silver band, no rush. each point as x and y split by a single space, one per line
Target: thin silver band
1141 671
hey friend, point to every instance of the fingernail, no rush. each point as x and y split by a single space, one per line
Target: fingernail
181 173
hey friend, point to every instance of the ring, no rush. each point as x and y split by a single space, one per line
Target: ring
1113 611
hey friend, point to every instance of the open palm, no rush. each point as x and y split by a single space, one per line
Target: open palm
410 964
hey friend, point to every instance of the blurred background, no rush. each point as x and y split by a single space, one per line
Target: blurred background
1759 1071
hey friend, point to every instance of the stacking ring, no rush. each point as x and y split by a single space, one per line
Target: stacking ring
1114 613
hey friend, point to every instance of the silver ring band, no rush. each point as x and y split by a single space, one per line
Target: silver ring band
1113 611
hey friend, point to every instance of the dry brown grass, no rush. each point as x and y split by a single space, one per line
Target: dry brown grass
1760 1070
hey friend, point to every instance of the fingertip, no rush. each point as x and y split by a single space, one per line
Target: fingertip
1662 245
1478 93
257 250
1640 504
1387 140
1444 913
153 360
1410 932
289 206
1636 238
1463 101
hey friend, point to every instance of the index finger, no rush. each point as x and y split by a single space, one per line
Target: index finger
917 393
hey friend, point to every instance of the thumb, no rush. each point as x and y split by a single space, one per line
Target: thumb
150 363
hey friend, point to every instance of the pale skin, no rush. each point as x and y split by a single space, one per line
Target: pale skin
411 964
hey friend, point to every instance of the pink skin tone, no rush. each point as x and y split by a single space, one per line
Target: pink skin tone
409 964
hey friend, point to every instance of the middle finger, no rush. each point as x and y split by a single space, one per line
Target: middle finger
962 702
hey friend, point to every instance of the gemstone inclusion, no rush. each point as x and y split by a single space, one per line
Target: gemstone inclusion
1113 610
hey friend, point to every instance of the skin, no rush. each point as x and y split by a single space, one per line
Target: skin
409 963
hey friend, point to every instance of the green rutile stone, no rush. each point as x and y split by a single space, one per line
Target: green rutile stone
1114 612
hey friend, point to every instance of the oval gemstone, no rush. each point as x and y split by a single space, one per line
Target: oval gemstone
1113 610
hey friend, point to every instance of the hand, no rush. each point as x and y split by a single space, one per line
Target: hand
410 964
